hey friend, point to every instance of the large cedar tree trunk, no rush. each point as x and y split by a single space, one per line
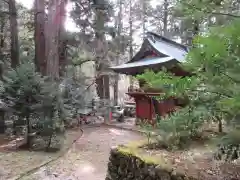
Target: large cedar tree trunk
62 40
39 20
52 39
14 33
2 26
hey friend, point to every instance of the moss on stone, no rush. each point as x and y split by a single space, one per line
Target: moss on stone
137 144
130 162
133 150
127 151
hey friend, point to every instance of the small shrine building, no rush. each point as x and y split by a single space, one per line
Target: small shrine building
155 53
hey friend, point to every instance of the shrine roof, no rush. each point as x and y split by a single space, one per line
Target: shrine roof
155 53
143 62
168 47
163 46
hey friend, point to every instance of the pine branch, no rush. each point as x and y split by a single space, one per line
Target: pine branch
212 92
5 12
231 78
209 12
6 1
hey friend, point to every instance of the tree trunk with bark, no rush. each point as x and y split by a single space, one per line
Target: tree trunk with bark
144 17
52 39
131 36
62 40
119 50
2 26
14 33
102 80
165 18
195 30
39 35
2 41
2 122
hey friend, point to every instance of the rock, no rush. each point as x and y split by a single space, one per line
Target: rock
176 176
152 172
126 167
210 172
55 174
148 178
163 175
139 163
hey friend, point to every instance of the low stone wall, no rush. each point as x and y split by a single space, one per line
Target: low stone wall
125 166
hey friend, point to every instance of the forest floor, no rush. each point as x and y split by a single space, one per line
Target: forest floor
16 162
87 159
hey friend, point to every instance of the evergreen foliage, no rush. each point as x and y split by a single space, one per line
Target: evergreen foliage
213 90
36 102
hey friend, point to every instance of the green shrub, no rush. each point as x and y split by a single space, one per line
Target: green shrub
147 130
178 128
36 101
229 147
212 90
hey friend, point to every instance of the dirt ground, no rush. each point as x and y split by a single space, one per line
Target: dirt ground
14 163
88 158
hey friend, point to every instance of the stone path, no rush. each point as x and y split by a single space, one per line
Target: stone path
88 158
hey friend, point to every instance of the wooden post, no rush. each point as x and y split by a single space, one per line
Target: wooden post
107 114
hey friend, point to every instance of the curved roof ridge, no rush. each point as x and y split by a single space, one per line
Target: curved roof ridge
162 38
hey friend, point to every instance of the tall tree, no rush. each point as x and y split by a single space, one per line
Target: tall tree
102 80
2 26
130 35
144 16
14 33
39 35
165 18
62 40
3 23
119 51
52 38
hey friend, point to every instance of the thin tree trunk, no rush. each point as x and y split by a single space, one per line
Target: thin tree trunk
2 122
2 26
131 36
14 33
2 39
120 49
39 35
144 15
195 29
29 135
220 125
165 18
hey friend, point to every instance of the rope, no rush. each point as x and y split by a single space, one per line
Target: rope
31 171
